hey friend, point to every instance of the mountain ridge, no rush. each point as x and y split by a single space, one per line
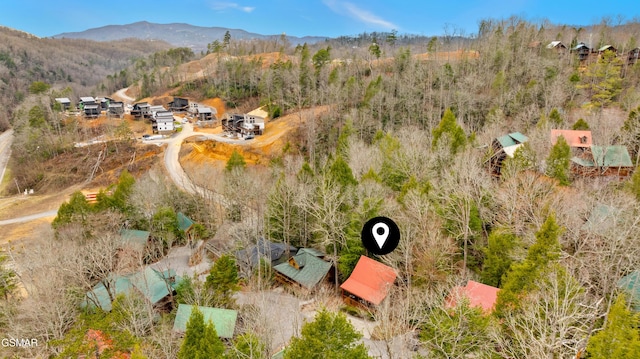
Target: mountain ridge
176 34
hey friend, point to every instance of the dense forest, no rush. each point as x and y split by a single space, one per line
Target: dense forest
404 128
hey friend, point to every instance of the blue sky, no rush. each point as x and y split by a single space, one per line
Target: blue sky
307 17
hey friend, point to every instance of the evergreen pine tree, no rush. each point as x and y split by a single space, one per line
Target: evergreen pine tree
558 161
76 210
222 281
580 125
523 277
137 353
620 337
247 345
449 128
634 185
459 332
226 40
120 197
201 340
555 118
524 158
603 81
165 227
235 161
498 252
341 173
328 336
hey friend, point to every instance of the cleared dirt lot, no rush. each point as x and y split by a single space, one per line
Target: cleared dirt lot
20 206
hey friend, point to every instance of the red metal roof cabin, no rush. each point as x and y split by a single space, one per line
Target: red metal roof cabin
574 138
479 295
370 281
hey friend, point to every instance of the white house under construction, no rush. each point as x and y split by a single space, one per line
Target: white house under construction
243 124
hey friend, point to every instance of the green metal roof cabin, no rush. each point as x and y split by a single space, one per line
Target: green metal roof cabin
304 268
150 283
512 139
604 161
224 320
135 236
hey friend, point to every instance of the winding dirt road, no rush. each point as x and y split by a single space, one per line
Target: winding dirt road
122 93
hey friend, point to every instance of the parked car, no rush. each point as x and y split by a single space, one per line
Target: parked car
249 137
151 137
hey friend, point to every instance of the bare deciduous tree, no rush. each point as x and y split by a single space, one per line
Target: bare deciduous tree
554 320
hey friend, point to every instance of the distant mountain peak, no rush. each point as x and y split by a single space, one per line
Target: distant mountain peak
176 34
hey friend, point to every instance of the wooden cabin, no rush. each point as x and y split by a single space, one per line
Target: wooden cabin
582 51
368 284
632 56
603 161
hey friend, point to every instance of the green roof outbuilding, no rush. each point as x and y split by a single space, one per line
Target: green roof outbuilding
184 223
279 355
631 285
135 236
224 320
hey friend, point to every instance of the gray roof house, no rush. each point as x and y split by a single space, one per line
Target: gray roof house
607 48
115 109
87 100
249 257
64 102
206 113
91 111
179 104
141 109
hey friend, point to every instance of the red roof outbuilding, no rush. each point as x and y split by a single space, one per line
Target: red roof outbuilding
370 280
574 138
479 295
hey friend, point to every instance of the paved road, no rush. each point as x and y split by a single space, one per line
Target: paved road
30 217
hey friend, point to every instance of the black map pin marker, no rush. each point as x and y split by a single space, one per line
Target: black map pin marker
380 235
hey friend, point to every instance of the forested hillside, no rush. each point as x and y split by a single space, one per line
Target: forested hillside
78 64
405 132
